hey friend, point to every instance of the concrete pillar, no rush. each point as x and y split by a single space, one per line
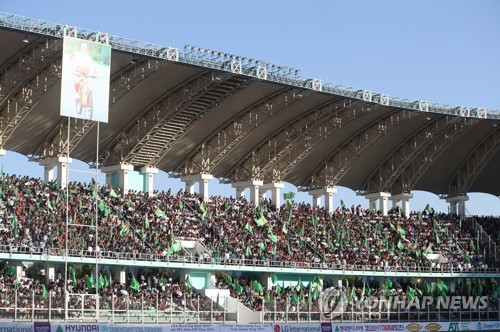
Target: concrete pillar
122 171
275 192
382 198
202 180
120 274
50 164
149 173
404 198
254 186
50 272
457 204
327 193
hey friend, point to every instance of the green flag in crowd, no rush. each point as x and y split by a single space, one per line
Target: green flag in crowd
112 194
134 284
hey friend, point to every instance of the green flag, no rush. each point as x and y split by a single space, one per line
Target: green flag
176 246
429 209
249 228
134 284
90 282
112 194
400 245
284 229
261 221
255 285
229 280
101 206
188 283
124 229
274 238
14 226
401 231
11 270
159 213
438 241
44 292
100 281
239 288
472 245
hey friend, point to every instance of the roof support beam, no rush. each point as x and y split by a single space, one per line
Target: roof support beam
329 171
228 136
296 138
473 164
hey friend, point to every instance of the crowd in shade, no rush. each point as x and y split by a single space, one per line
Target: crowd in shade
33 218
141 292
323 296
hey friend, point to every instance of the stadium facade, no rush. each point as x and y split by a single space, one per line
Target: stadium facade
200 114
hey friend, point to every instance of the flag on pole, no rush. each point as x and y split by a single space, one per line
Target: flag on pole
134 284
249 228
44 292
112 193
284 229
124 229
261 221
14 226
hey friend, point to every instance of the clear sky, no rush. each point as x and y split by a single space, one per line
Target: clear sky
444 52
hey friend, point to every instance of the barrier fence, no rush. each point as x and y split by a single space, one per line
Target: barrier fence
122 308
213 261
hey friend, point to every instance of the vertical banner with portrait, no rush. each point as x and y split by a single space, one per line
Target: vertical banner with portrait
85 79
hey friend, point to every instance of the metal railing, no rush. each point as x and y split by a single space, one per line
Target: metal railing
28 307
53 253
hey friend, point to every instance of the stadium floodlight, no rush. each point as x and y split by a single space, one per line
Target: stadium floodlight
134 60
220 54
297 72
251 60
25 39
193 48
200 50
208 51
187 47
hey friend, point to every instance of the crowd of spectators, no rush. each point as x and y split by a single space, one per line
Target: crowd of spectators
356 295
33 217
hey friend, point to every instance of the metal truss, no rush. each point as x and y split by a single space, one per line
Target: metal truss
230 134
121 83
221 61
336 164
295 141
406 163
422 161
167 119
24 80
472 165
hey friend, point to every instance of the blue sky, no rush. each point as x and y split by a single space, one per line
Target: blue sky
441 51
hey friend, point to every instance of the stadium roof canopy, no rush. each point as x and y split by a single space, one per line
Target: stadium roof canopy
196 111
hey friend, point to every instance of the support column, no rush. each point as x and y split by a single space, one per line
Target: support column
50 272
50 164
275 192
120 274
254 186
202 180
327 193
117 176
457 204
404 198
382 197
149 173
